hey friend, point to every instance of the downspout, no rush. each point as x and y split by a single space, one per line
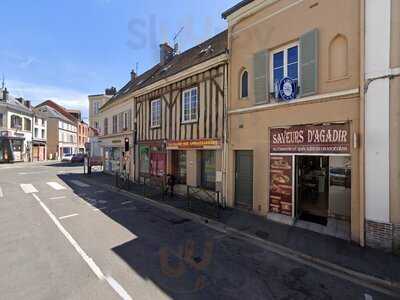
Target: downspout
362 124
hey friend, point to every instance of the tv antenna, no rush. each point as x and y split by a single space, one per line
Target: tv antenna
176 38
3 84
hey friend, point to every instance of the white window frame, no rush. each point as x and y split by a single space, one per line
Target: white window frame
190 120
155 123
285 49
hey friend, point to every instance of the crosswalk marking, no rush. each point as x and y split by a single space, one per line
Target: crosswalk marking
56 198
79 183
56 186
28 188
68 216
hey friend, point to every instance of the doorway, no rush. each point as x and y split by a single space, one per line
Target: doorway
312 184
244 179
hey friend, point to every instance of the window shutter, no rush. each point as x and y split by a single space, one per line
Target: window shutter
309 63
261 88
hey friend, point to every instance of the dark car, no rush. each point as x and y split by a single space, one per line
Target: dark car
78 158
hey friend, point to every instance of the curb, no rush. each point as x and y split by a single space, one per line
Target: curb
384 286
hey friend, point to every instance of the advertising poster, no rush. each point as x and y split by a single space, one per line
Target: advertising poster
281 185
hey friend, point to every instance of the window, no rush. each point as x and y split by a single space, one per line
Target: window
43 134
36 121
285 63
16 122
96 106
27 124
144 159
36 133
190 105
105 126
126 120
1 120
156 113
96 125
208 169
244 84
115 124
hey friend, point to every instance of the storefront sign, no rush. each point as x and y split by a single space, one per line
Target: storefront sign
280 195
334 139
194 144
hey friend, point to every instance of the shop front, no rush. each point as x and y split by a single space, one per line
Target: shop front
196 163
38 151
152 160
115 159
310 177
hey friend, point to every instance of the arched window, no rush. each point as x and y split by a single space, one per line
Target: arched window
244 84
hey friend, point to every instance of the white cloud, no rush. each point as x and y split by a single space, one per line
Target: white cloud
37 93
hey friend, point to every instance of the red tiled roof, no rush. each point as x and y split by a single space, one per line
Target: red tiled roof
58 108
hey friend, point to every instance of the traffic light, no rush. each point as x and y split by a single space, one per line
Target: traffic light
126 144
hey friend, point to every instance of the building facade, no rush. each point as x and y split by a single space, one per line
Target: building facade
95 103
39 139
116 125
382 123
294 113
62 130
15 128
179 113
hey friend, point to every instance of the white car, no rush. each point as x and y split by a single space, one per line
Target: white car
67 157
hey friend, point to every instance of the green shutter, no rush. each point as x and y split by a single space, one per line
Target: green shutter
260 61
309 63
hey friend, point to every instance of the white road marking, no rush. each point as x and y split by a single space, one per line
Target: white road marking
99 209
1 193
126 202
56 198
118 288
56 186
90 262
68 216
79 183
28 188
29 173
368 297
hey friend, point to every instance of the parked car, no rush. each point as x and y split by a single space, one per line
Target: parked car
67 157
78 158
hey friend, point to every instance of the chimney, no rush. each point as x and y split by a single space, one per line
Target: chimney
111 91
5 95
176 49
20 100
166 53
133 75
27 103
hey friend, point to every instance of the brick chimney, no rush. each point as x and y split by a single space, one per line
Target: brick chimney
111 91
133 75
5 95
166 53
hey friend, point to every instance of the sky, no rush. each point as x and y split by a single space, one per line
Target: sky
66 50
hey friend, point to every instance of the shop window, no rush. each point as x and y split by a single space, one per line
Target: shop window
208 169
155 113
157 163
190 105
244 84
284 63
17 145
144 159
16 122
27 124
180 169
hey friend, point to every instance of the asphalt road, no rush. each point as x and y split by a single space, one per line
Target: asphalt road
62 238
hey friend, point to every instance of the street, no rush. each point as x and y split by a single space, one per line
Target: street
62 238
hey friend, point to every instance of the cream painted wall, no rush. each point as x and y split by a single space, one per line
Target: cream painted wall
377 107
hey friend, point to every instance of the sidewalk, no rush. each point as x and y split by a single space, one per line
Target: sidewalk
344 254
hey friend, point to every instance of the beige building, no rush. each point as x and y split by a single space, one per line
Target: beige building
295 149
115 125
95 103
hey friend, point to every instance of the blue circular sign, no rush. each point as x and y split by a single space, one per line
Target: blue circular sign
287 89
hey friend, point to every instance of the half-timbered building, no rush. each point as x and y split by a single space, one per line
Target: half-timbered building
179 113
